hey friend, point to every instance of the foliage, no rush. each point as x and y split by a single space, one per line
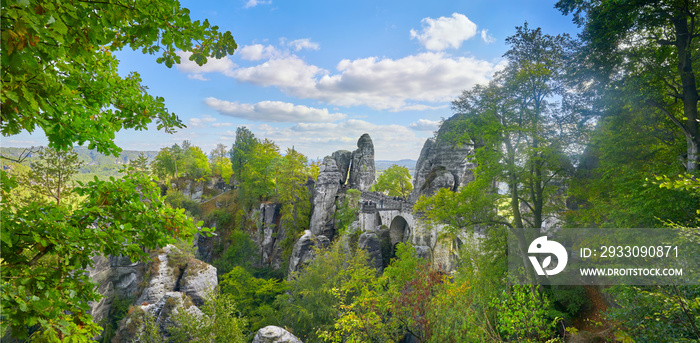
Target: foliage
51 175
310 304
165 164
648 51
44 277
463 311
196 164
395 181
257 177
254 296
522 317
611 187
178 200
292 193
140 164
347 211
655 314
220 322
220 162
242 252
242 149
144 323
59 73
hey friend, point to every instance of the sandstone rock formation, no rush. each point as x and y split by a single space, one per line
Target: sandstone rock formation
370 242
117 277
274 334
362 169
327 187
343 159
172 279
438 158
271 235
303 250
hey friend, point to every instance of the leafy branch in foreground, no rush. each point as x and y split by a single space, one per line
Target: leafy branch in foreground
46 248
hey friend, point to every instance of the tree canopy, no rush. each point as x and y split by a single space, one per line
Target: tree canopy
59 75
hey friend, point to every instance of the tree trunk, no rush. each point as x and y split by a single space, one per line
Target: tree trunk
689 92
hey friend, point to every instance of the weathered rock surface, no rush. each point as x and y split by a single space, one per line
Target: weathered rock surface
362 169
424 252
198 280
327 186
303 251
117 277
163 280
370 242
437 158
272 234
161 312
343 159
275 334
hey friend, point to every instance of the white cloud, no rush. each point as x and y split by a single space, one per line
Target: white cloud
425 125
257 52
273 111
445 32
221 124
394 84
202 122
392 142
288 73
253 3
488 39
224 66
304 43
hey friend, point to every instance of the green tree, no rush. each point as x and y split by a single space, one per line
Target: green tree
650 49
196 164
220 322
60 75
310 304
165 164
257 177
242 149
220 162
140 164
520 133
292 194
51 175
395 181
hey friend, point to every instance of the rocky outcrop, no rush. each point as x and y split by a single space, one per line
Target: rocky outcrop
303 251
370 242
362 171
271 235
173 279
442 164
274 334
117 278
327 187
343 159
198 280
163 278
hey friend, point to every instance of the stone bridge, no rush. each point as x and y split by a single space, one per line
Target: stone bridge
378 212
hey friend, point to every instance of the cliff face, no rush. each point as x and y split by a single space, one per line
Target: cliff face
442 164
362 169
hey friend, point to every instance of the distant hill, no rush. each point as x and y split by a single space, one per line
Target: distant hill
381 165
94 163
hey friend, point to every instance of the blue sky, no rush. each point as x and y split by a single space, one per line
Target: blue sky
317 74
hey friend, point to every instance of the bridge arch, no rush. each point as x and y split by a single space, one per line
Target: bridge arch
398 230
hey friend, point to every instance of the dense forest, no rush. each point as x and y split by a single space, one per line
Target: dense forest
595 131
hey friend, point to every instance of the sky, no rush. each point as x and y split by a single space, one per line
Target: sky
316 75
